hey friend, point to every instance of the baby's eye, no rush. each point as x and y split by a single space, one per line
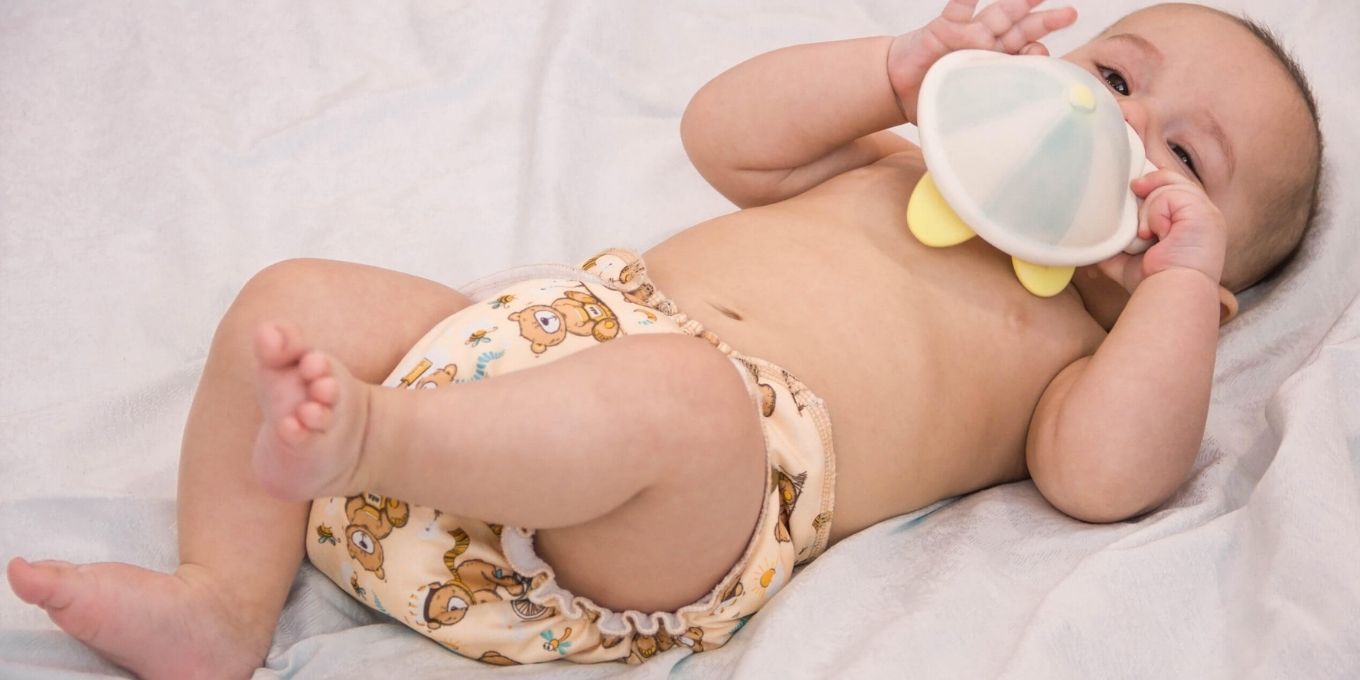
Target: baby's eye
1114 80
1184 157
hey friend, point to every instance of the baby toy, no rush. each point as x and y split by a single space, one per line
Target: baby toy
1032 154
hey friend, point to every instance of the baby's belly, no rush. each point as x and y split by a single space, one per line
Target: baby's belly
931 362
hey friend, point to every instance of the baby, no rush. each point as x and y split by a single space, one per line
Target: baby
655 490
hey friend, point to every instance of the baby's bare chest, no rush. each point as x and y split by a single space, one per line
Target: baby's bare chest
930 360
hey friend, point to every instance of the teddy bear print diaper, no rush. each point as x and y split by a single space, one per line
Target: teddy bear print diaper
479 589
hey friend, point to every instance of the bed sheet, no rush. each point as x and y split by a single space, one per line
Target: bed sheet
154 155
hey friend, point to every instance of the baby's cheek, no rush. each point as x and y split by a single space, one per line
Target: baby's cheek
1240 245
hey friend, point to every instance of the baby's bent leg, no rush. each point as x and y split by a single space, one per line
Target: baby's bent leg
368 317
602 446
552 446
371 317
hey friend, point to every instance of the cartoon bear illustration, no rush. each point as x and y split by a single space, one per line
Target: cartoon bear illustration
630 272
641 295
577 313
474 582
439 378
790 488
646 646
446 604
585 314
693 638
616 264
371 519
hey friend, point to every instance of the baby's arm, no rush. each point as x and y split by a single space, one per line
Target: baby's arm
783 122
1116 433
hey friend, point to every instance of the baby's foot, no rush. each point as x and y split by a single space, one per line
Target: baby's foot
156 625
314 413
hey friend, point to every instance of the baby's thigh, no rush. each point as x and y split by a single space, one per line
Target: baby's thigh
365 316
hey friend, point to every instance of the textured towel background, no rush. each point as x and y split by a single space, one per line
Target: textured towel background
153 155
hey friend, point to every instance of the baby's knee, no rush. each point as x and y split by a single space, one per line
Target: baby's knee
281 290
287 277
283 287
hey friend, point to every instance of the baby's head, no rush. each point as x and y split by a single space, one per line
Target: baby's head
1216 98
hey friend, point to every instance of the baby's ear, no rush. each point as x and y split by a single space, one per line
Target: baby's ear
1227 305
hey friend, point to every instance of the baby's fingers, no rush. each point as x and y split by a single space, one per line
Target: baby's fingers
1162 191
1145 185
1013 26
1160 209
960 11
1035 26
1125 269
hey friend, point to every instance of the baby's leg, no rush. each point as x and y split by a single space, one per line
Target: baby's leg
215 616
649 441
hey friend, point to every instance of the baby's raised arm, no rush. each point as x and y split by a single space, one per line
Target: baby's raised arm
1116 434
785 121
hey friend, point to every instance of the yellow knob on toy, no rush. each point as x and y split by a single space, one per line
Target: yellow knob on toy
1082 98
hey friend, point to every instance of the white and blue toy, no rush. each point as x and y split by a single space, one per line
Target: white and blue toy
1032 154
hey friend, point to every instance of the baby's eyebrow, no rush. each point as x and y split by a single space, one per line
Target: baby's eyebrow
1140 43
1216 132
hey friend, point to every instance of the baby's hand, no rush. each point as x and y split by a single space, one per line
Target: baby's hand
1005 26
1191 232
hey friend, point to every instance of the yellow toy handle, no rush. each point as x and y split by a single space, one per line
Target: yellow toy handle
1042 280
930 218
935 224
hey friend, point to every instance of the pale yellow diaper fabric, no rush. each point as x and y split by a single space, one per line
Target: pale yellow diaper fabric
480 589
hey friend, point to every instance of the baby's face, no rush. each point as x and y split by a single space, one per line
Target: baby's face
1211 102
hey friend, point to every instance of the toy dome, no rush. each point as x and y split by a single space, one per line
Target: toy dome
1032 153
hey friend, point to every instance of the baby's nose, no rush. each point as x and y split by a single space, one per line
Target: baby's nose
1135 115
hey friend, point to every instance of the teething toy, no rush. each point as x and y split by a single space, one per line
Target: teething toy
1032 154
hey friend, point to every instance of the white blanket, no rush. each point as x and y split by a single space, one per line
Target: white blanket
154 155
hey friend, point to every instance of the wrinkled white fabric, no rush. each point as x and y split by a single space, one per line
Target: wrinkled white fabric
153 155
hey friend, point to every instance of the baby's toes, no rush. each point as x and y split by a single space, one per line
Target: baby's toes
36 583
324 390
314 365
277 343
314 416
291 431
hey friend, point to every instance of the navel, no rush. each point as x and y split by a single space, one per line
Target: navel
731 314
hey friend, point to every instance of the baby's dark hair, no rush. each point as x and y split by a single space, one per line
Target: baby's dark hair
1290 215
